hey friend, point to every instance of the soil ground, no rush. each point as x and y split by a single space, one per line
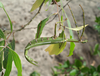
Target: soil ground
18 11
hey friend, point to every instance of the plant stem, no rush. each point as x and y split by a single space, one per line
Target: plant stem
31 18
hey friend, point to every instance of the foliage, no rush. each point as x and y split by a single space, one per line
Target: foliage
76 69
96 50
34 74
97 26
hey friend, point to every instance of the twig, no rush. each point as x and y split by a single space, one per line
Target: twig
59 11
31 18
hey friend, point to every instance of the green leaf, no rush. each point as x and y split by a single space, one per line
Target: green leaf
0 67
11 27
74 72
85 69
37 4
92 69
72 46
40 27
84 63
2 34
97 20
78 63
68 21
66 64
34 74
57 0
96 49
81 58
58 67
6 52
68 70
1 5
12 44
95 74
1 54
98 68
9 65
17 61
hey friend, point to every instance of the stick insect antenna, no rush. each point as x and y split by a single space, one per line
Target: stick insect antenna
83 22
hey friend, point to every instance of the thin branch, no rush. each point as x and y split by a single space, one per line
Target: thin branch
31 18
59 11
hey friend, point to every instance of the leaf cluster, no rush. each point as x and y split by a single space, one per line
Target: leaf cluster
97 26
7 53
76 69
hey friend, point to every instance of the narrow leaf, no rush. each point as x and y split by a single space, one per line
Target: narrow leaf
72 46
1 5
68 21
40 27
1 55
77 28
36 5
96 49
6 52
9 65
11 27
17 61
2 34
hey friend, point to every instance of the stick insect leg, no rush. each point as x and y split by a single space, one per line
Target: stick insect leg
83 23
55 30
74 20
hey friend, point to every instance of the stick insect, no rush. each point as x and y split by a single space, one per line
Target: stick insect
50 40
